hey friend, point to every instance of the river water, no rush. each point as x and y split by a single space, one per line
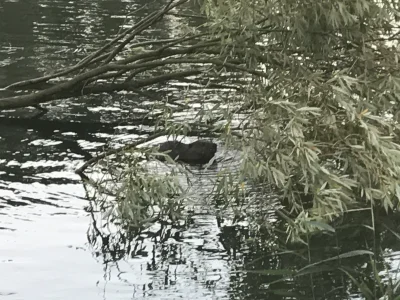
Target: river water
45 252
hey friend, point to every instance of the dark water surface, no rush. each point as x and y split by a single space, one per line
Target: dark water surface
44 249
44 223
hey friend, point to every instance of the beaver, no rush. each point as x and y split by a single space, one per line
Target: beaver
199 152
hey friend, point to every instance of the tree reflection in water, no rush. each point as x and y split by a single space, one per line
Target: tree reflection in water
262 264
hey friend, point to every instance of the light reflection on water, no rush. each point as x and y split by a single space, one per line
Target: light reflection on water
44 251
44 254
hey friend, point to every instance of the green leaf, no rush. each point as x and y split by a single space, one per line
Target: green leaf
321 225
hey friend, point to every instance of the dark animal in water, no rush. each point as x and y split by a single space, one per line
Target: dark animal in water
199 152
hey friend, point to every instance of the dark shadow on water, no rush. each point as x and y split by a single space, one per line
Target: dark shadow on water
268 255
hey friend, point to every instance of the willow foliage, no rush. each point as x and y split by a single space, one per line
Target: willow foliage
322 126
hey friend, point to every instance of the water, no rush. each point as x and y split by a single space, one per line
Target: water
48 245
45 253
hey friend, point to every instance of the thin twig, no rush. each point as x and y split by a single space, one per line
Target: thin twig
116 151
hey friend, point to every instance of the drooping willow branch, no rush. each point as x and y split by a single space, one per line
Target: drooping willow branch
118 150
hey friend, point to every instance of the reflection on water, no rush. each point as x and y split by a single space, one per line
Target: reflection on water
54 247
45 252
